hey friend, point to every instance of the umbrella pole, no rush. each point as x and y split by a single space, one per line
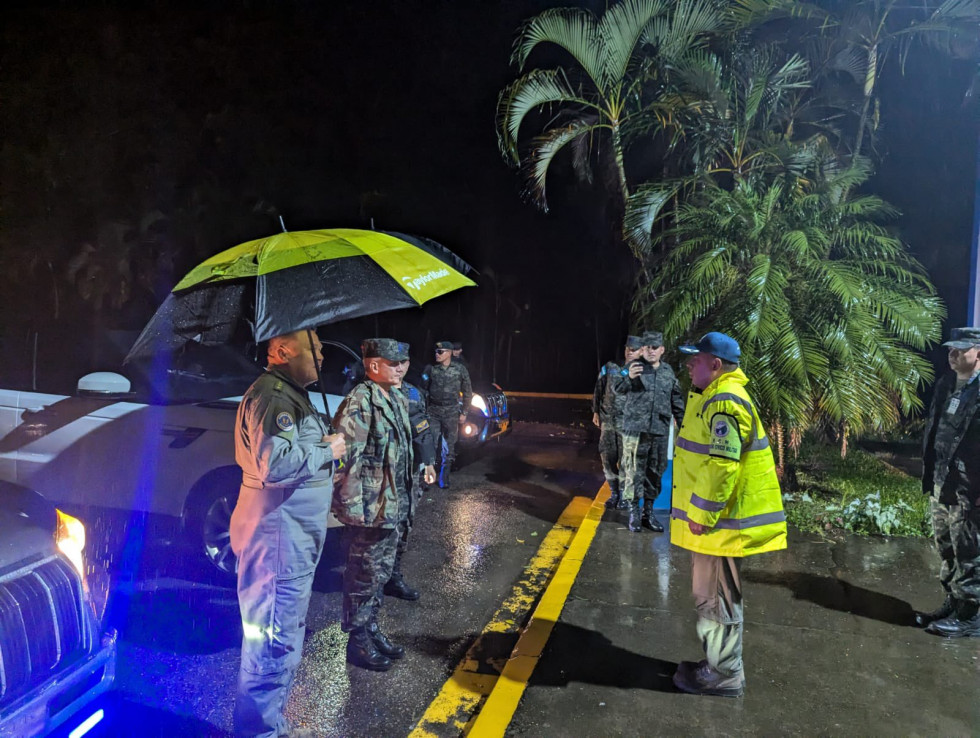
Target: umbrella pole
319 381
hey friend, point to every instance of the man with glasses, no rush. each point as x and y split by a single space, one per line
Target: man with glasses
446 383
372 496
951 476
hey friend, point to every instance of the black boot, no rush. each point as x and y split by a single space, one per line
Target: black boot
613 500
382 643
922 619
649 521
362 652
398 587
634 523
964 623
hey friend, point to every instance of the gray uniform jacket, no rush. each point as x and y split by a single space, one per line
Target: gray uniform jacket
287 469
951 442
651 399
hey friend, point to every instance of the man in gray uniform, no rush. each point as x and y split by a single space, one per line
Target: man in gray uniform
286 452
951 476
653 398
373 496
425 455
444 384
607 416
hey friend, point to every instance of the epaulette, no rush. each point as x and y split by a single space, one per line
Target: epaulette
412 392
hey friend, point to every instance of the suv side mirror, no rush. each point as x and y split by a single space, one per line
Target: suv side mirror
103 384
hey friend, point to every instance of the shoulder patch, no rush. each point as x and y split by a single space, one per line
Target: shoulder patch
725 440
285 421
602 372
422 426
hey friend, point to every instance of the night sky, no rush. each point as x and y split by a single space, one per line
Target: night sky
225 116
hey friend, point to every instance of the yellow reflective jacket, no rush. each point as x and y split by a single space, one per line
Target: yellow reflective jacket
725 476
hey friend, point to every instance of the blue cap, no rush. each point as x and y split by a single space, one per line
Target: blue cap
717 344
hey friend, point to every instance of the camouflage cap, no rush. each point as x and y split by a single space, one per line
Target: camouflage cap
963 338
653 338
385 348
634 342
444 345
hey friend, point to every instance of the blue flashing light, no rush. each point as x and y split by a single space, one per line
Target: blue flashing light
90 722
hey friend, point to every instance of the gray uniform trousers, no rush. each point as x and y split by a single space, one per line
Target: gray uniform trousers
644 462
716 583
957 533
444 422
611 453
275 577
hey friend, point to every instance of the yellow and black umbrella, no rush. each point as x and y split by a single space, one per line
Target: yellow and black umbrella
300 279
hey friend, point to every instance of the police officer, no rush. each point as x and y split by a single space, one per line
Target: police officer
951 476
653 398
286 452
445 383
726 506
607 416
373 496
425 456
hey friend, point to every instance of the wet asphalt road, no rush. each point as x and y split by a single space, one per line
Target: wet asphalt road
180 630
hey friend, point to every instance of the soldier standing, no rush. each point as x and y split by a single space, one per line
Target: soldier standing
607 415
425 455
373 496
286 453
950 474
445 384
653 398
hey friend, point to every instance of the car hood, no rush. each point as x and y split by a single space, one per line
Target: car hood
27 525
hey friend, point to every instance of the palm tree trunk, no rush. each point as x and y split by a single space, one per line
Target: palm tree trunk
869 88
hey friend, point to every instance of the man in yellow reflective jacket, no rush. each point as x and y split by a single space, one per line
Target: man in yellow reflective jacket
726 505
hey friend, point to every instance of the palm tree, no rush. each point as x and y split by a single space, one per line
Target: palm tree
865 33
596 101
829 307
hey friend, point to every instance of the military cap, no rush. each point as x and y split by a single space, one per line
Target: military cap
653 338
445 345
963 338
634 342
457 345
717 344
385 348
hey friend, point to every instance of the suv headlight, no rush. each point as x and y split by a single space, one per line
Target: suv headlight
70 539
479 403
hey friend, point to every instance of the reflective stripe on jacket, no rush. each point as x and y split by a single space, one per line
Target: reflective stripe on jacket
725 476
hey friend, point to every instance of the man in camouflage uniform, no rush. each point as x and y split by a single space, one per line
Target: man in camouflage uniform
653 398
425 455
286 452
445 383
373 496
607 415
951 476
458 355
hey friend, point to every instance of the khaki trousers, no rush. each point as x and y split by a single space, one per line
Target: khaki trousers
717 587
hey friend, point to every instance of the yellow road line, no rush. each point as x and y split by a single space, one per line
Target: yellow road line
498 709
474 677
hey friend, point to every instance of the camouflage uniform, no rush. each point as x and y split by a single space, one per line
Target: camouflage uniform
652 400
608 404
277 530
443 386
951 476
372 496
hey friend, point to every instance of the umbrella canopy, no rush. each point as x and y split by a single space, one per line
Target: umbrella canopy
297 280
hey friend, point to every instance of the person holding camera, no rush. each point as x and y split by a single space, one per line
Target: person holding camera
653 400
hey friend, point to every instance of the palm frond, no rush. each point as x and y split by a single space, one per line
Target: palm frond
572 29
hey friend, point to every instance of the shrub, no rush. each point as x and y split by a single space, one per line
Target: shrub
859 493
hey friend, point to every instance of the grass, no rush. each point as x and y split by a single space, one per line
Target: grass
859 493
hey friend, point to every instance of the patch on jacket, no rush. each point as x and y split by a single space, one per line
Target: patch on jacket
422 425
725 441
285 421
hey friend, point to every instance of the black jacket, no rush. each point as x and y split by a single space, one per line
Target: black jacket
961 475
